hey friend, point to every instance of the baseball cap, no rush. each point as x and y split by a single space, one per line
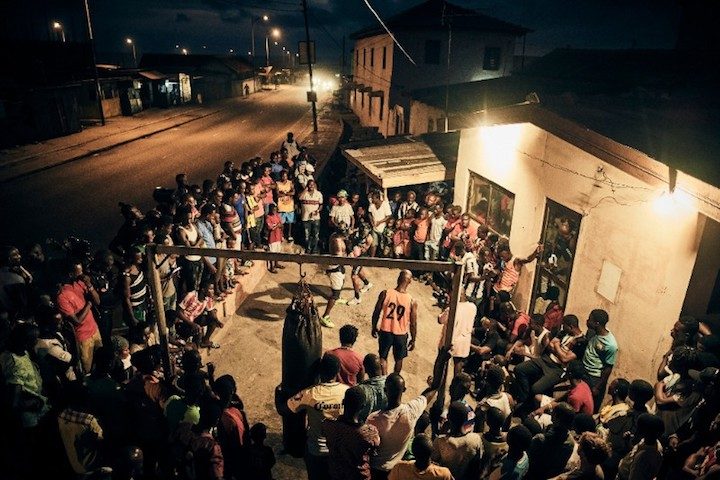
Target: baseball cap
706 375
342 193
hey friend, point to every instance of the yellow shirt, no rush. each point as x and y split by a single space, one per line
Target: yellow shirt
286 204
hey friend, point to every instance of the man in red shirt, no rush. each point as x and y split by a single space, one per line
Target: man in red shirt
579 396
351 364
75 300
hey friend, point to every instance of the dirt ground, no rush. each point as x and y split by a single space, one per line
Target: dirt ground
251 343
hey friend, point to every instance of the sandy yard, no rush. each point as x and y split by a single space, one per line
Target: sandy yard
251 343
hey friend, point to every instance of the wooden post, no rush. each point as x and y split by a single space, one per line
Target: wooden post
443 356
157 298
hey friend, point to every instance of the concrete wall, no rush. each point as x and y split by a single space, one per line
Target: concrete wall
400 76
706 270
423 116
376 77
653 243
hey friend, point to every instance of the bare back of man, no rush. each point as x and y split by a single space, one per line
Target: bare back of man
337 247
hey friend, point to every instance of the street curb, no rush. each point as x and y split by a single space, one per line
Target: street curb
103 149
26 158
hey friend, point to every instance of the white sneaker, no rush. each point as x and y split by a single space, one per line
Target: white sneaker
354 301
366 288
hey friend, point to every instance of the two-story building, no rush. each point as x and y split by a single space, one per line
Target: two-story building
448 44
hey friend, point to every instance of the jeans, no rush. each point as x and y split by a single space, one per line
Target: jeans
312 235
432 250
538 375
600 385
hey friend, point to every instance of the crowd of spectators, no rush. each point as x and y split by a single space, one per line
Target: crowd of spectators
531 396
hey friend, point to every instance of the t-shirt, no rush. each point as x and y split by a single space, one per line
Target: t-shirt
523 320
408 471
421 230
349 447
642 458
436 229
71 300
351 365
494 450
276 235
396 429
581 399
511 470
268 198
342 213
379 213
462 333
193 307
309 204
322 401
375 396
601 352
285 203
456 453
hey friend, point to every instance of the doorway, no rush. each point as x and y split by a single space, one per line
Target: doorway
552 274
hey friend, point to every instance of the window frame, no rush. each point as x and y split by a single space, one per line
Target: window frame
493 186
372 57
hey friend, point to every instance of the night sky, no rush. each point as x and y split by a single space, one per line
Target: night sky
221 25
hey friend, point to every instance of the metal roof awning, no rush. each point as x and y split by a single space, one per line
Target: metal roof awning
407 161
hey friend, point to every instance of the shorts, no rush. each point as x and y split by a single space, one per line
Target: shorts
287 217
399 344
337 280
276 247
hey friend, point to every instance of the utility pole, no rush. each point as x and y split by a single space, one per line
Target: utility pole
447 69
309 60
98 92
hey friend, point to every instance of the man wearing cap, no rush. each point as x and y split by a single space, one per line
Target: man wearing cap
342 212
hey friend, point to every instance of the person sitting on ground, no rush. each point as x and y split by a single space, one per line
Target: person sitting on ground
493 395
422 467
197 311
619 429
550 450
495 445
645 458
593 451
350 440
458 450
351 364
533 342
515 465
578 397
260 457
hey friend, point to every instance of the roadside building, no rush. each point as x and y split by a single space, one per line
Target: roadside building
482 47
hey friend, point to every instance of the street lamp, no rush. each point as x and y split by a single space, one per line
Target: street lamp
58 27
184 51
254 20
132 44
276 34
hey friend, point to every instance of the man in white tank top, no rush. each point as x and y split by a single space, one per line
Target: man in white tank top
534 341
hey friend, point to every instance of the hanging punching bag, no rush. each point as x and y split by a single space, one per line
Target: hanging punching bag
301 352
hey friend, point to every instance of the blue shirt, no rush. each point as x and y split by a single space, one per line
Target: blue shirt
601 352
514 471
206 232
240 207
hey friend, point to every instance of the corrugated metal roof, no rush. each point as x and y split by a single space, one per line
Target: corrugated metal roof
409 162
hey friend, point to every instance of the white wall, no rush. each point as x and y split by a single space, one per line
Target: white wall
656 249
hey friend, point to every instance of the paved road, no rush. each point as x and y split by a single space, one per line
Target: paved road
81 198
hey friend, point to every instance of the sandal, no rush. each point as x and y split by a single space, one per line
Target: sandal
210 345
